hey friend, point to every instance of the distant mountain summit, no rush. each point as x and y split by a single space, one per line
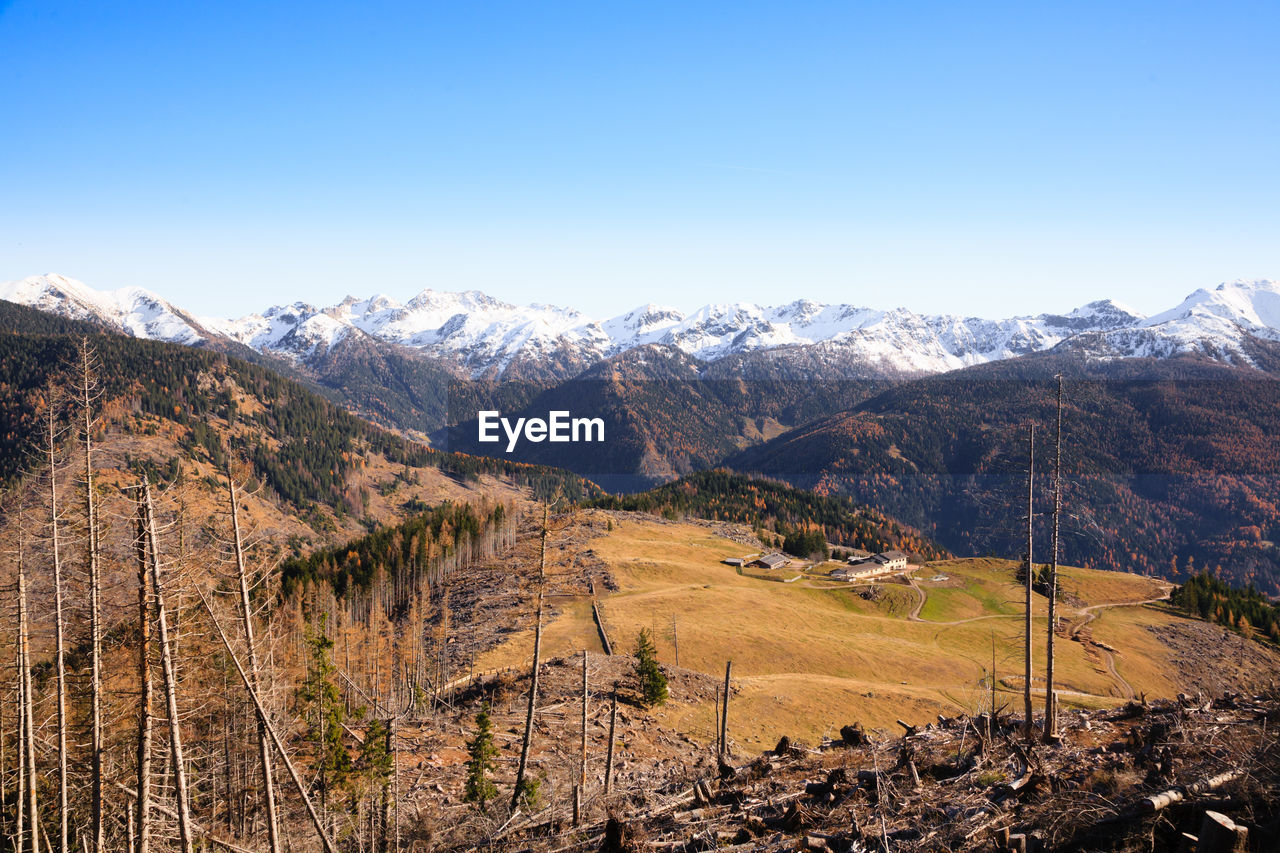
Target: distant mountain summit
131 310
478 336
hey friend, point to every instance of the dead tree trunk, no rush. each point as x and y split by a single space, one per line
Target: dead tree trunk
608 761
246 610
715 720
60 642
991 720
28 699
167 671
1026 677
724 711
142 803
275 738
19 820
582 760
533 676
1050 707
393 747
385 831
87 395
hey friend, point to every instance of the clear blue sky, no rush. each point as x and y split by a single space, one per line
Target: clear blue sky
976 158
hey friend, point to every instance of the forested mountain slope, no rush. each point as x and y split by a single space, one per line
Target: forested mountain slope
307 450
1168 465
664 415
773 507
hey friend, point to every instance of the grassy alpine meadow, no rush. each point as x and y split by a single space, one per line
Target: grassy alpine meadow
810 656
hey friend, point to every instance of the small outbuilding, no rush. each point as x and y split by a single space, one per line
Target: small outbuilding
769 561
734 561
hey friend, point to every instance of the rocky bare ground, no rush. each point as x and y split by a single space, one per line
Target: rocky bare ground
1212 660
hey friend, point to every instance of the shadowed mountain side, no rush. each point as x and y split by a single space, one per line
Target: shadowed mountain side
1168 465
662 418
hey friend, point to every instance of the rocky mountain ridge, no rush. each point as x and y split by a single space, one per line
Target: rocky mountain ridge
478 336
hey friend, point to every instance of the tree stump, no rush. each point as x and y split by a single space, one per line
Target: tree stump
1220 834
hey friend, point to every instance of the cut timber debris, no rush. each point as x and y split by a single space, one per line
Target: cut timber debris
1156 802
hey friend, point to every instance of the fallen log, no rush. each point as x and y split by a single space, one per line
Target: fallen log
1164 799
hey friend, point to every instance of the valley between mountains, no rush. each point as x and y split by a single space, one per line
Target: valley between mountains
243 609
1167 457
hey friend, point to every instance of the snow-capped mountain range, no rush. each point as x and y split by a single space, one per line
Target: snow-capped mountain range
482 336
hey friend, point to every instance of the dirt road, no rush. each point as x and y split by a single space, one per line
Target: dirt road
1108 657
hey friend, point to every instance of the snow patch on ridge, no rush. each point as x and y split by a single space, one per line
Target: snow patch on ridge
486 335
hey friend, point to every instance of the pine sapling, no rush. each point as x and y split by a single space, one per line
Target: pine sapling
480 763
653 684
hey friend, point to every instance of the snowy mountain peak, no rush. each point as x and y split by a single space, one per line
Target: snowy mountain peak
132 310
1106 310
486 336
1253 305
437 300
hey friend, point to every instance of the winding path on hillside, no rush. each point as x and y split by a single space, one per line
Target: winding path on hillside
1089 614
921 597
1108 657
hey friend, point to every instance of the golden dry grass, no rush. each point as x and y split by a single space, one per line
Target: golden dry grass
808 658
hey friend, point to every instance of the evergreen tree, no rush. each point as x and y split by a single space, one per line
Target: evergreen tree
481 752
807 544
375 760
326 714
529 790
653 684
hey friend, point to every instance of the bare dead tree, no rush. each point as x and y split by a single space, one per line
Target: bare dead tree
582 762
60 642
992 719
724 711
1051 707
393 747
613 722
20 817
1031 473
533 676
169 676
88 394
28 700
275 738
142 802
246 611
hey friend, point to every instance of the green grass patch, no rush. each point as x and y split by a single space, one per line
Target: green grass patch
979 596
